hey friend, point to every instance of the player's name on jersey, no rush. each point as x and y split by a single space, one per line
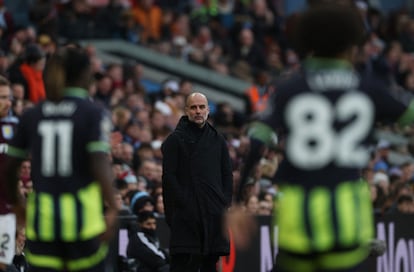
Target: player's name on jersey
333 80
62 108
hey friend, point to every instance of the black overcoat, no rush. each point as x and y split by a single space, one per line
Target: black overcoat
197 189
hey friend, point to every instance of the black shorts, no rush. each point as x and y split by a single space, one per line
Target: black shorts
86 255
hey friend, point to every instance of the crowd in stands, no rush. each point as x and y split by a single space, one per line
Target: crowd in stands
247 39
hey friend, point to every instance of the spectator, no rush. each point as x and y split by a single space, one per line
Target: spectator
19 260
159 204
141 201
149 17
405 204
196 197
30 73
252 204
249 51
144 245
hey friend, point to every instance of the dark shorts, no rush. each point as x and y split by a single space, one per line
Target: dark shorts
86 255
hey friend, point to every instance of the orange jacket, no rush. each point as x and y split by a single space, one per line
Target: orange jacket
36 87
150 21
258 102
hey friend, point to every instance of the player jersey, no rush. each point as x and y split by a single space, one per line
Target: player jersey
325 116
7 130
66 203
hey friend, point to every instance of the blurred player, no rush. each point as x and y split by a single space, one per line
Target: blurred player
324 116
67 137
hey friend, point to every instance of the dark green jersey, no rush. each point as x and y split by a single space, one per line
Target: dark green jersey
67 202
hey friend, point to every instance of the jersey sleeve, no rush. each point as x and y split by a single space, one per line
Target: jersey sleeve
99 132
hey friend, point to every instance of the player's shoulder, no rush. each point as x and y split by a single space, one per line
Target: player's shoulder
288 84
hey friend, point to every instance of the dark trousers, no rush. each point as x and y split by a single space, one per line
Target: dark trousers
193 263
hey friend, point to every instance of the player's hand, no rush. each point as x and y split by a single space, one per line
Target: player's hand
111 220
242 226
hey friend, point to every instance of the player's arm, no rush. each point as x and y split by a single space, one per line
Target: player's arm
100 167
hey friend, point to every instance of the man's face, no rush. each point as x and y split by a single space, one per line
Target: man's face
150 223
197 109
5 101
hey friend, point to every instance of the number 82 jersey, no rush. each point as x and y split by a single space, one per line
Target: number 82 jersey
325 116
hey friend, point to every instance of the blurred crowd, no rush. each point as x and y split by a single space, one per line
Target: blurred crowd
247 39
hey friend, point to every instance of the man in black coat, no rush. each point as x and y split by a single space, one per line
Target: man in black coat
197 189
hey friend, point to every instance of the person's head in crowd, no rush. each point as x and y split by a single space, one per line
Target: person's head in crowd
158 119
116 73
147 223
142 183
147 169
47 44
367 174
170 86
25 170
127 154
68 67
251 204
116 151
20 240
119 202
121 116
143 117
265 208
131 180
141 201
122 187
382 180
17 107
145 152
104 84
158 172
35 57
156 147
135 102
407 171
185 86
405 204
5 97
246 38
17 90
133 131
145 135
159 204
340 40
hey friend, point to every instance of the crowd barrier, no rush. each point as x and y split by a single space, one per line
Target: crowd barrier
396 230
